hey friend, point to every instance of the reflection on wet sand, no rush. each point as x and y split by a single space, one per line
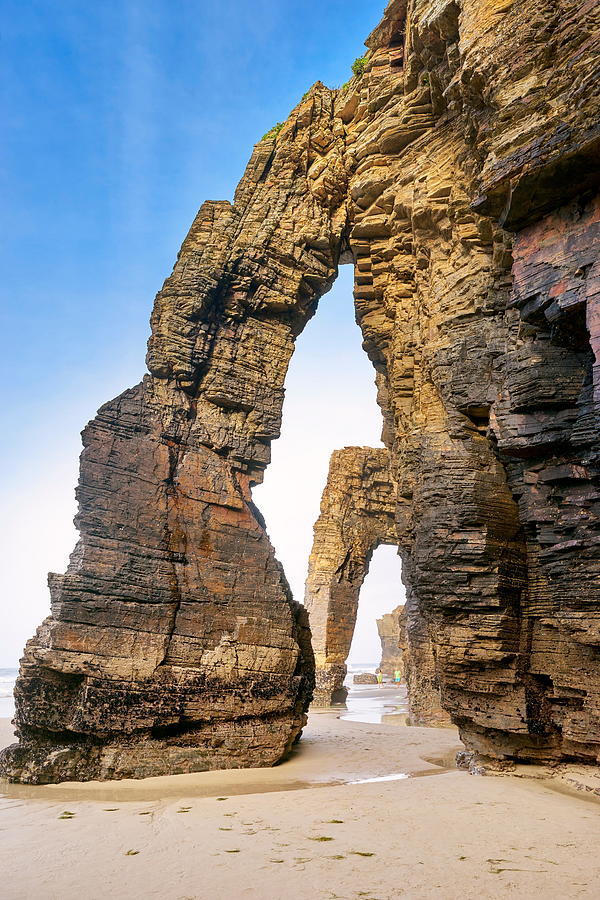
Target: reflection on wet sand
383 705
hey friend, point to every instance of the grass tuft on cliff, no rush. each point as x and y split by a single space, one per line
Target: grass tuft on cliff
359 65
272 133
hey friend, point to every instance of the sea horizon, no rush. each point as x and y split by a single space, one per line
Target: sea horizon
8 676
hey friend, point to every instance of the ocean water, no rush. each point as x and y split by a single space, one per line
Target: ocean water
8 677
7 683
362 666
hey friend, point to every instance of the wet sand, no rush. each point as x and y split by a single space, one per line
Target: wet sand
348 816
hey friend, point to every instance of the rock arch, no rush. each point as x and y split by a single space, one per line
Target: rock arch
357 515
465 182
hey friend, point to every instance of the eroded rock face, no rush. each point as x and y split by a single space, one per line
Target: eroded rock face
391 628
485 144
364 678
421 669
173 644
357 515
407 648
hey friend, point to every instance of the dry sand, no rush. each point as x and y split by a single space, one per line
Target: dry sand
301 830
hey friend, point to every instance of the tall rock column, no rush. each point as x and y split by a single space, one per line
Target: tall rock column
475 137
174 644
391 628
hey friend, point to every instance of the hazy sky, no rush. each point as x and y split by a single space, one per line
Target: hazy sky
120 118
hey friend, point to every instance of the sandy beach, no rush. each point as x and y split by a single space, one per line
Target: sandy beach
362 810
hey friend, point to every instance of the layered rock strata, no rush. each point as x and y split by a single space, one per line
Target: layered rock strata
174 644
421 669
391 628
357 515
461 173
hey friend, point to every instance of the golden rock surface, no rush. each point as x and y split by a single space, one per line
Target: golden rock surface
460 173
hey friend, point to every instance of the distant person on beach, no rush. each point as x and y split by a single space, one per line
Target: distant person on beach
397 675
379 674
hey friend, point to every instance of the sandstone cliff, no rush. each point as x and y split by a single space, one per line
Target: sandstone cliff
461 172
174 644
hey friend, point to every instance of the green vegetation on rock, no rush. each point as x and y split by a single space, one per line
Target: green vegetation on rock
271 135
359 65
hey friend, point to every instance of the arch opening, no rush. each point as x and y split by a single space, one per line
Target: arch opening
375 639
375 666
330 402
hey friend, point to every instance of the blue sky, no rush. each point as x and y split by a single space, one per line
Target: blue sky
120 118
